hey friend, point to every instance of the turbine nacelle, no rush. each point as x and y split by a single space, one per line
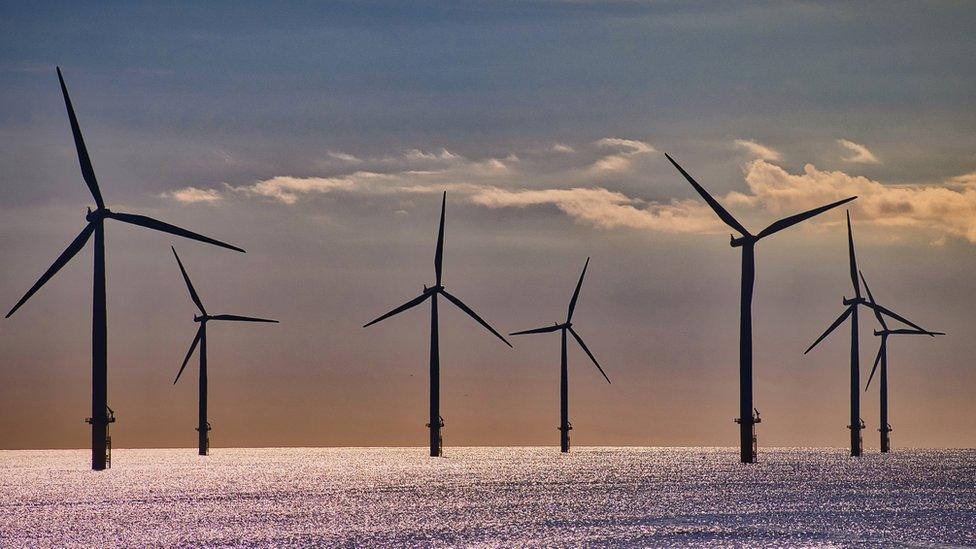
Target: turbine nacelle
855 301
98 214
742 240
201 318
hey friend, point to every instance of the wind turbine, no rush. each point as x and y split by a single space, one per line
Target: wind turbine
564 425
101 417
851 305
436 422
883 359
851 311
747 241
203 426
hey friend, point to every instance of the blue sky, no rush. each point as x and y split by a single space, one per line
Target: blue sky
317 135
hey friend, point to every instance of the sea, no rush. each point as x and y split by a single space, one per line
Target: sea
488 497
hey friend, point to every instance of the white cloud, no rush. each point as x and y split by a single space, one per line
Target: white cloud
757 149
418 154
930 208
621 151
625 146
562 148
287 189
859 153
947 209
191 195
605 209
345 157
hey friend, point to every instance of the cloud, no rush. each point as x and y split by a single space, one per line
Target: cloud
944 209
562 148
757 149
605 209
625 146
964 180
933 208
619 158
859 153
287 189
344 157
191 195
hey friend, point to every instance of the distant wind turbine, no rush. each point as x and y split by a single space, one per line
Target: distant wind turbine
856 423
882 358
101 416
203 426
564 425
436 422
747 241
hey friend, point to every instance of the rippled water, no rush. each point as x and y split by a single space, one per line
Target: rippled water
488 497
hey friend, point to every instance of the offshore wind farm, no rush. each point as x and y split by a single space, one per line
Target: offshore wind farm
350 147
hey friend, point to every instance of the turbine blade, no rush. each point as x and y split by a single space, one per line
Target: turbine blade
189 285
77 244
853 258
412 303
586 349
87 172
877 360
716 207
572 302
238 318
196 339
900 318
788 222
543 330
874 309
474 315
903 331
847 312
155 224
439 254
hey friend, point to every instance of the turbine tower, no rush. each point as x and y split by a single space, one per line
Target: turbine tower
564 425
436 422
203 426
747 241
882 358
101 416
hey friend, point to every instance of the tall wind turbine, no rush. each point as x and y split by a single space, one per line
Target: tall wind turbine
203 426
436 422
96 225
882 358
851 311
564 425
747 241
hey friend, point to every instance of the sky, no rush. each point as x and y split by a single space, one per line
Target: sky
319 137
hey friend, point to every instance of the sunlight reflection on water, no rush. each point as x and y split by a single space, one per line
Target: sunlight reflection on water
489 497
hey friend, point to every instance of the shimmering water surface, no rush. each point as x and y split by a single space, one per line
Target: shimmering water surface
489 497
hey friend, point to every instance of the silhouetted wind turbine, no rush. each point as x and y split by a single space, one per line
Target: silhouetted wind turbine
746 420
203 426
851 305
96 225
436 422
882 358
564 425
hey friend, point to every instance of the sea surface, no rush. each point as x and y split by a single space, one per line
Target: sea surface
489 497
